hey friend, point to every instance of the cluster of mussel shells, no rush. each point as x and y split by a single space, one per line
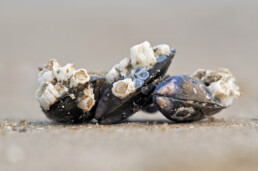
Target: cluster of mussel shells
146 87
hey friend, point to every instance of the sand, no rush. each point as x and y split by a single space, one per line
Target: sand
96 35
207 145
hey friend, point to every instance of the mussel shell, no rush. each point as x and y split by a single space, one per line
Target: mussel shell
112 109
150 109
182 98
65 109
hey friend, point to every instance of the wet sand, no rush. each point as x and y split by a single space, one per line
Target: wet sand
206 145
98 35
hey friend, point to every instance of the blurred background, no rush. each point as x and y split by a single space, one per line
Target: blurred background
95 35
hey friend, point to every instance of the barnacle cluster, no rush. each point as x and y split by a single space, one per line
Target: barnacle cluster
135 68
56 81
221 83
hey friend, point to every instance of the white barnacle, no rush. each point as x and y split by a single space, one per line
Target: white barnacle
61 88
118 70
46 73
48 94
142 55
112 75
221 84
86 101
161 49
79 77
123 88
123 66
65 72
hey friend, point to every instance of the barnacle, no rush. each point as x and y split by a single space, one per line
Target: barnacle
161 49
123 88
221 84
142 55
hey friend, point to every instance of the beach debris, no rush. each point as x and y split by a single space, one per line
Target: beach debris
20 126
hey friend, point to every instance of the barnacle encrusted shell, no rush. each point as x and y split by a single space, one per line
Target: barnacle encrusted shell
221 84
132 83
142 58
182 98
48 94
55 81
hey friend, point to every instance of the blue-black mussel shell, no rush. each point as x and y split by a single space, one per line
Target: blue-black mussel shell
65 109
182 98
111 109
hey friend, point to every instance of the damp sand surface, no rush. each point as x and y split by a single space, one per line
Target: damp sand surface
213 144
